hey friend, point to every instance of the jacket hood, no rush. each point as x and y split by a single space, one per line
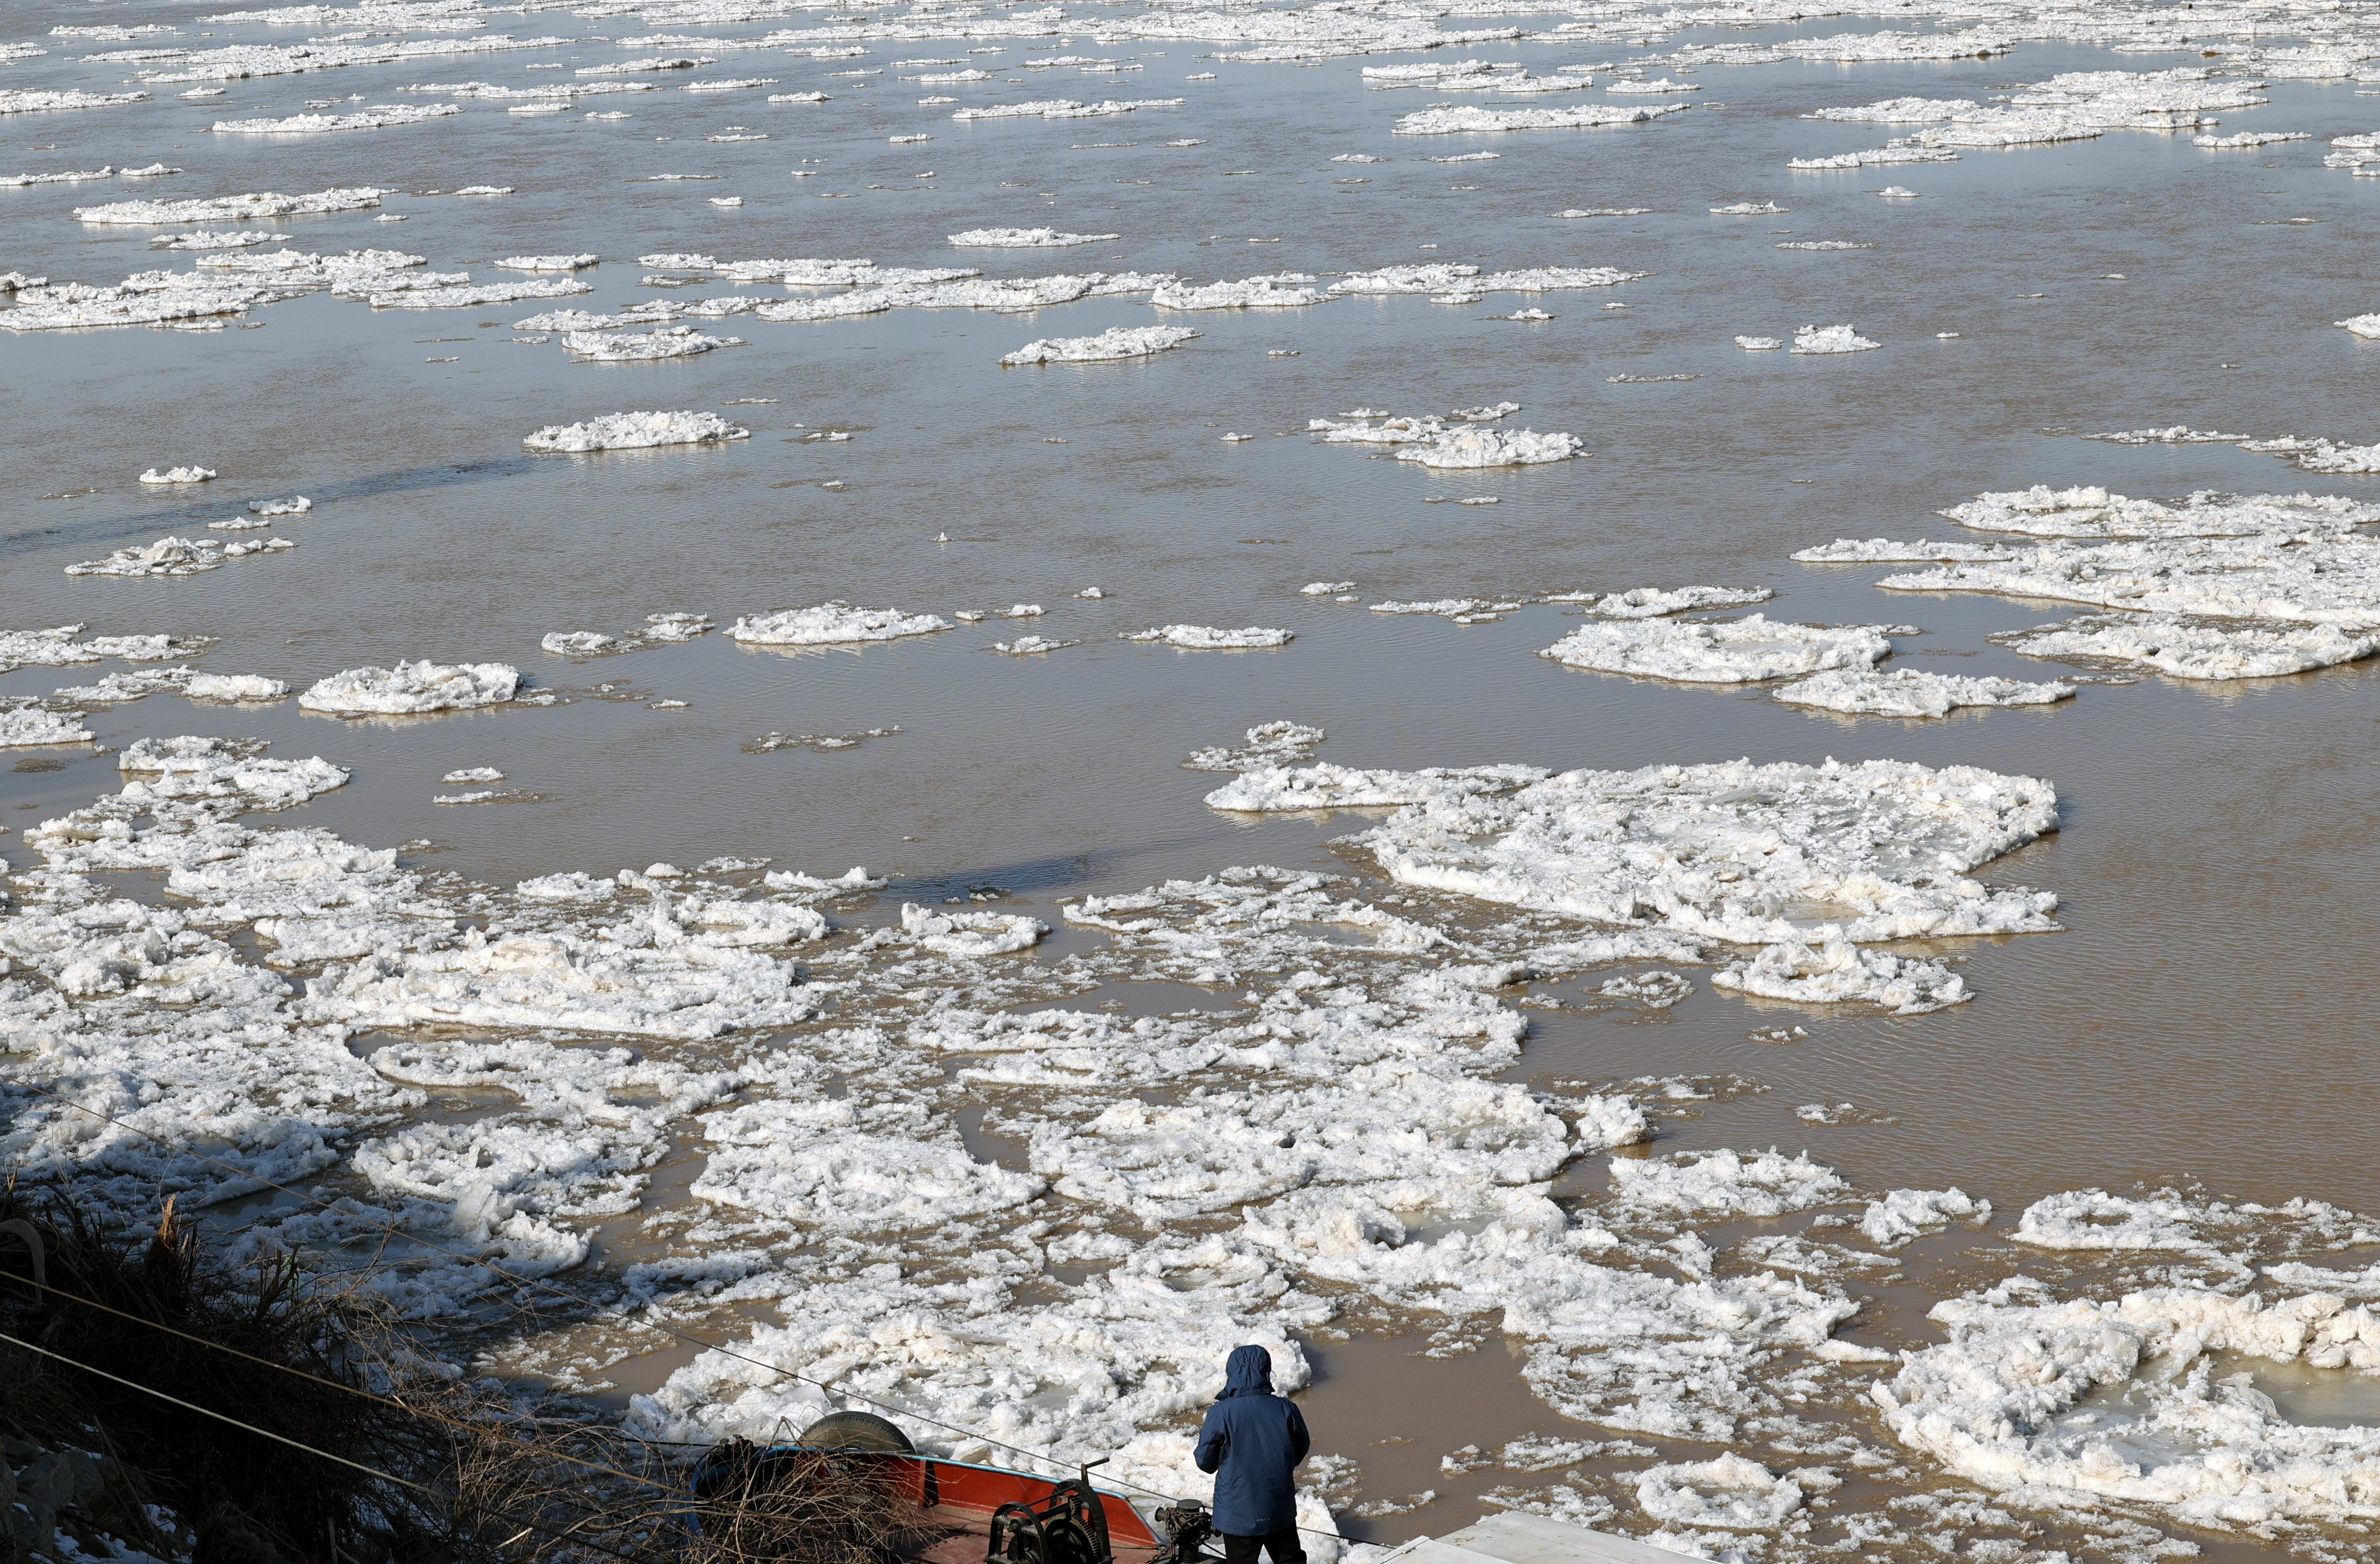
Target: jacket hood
1247 1371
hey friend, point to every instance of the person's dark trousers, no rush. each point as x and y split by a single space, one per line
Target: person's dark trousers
1282 1545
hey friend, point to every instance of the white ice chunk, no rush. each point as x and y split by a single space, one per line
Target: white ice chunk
1207 637
1830 339
1652 602
970 934
832 622
376 118
1905 1213
179 475
217 208
1754 854
28 725
2198 649
1908 692
234 688
413 686
1899 111
2095 513
1025 238
674 342
1119 342
1256 293
177 556
622 432
1730 651
1726 1491
1885 551
1493 448
1724 1181
548 262
1469 118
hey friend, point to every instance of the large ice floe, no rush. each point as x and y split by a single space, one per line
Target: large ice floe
626 432
830 623
1803 863
1722 651
2209 587
2150 1399
1118 342
378 117
1207 637
1433 443
1910 692
413 687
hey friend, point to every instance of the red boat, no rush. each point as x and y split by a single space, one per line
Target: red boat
851 1487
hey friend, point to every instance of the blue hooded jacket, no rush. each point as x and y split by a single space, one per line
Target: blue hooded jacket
1251 1440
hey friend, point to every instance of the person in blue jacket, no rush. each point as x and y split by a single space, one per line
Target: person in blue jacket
1252 1441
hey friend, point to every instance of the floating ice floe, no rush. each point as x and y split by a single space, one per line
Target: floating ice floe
622 432
1751 208
1873 157
377 118
1830 339
830 623
57 647
1908 692
1661 84
479 296
28 100
413 686
177 556
1730 651
234 688
203 239
1119 342
1824 245
1717 852
1064 108
179 475
270 509
1858 550
582 643
1256 293
2093 513
2197 649
1457 277
1025 238
1268 744
1207 637
1462 610
672 342
70 176
1493 448
1905 1214
26 727
2308 579
2246 139
970 934
1471 118
1653 602
217 208
1758 344
1029 645
1769 1184
1726 1491
548 262
1603 212
1900 111
2149 1401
